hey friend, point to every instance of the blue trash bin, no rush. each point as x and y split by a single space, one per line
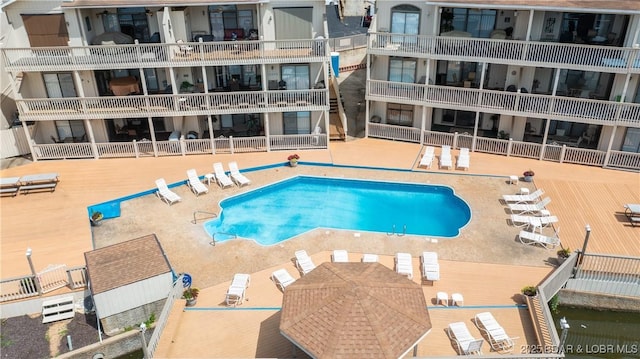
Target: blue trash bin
335 63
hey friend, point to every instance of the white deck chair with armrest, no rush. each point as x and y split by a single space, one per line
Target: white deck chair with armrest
304 262
463 159
530 208
282 278
165 194
445 157
340 256
524 198
237 288
223 180
548 242
465 343
534 222
430 266
493 332
404 264
236 176
194 183
427 158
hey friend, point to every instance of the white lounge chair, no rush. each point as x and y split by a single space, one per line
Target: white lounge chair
537 238
493 332
237 289
340 256
282 278
369 258
533 222
194 183
445 157
304 262
223 180
404 264
165 194
465 343
463 159
427 158
530 208
524 198
430 266
236 176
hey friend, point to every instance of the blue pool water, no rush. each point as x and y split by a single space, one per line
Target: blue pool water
285 209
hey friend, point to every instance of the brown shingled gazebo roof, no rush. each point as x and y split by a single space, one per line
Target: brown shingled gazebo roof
349 310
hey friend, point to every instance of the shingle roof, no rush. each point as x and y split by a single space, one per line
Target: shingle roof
349 310
125 263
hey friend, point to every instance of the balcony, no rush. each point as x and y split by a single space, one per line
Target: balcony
510 52
76 108
107 57
510 103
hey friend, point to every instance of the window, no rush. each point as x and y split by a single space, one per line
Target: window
405 19
398 114
133 22
223 17
71 131
296 77
59 85
296 123
402 70
632 140
293 23
478 22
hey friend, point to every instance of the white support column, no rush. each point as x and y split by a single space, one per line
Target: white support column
366 111
266 131
529 25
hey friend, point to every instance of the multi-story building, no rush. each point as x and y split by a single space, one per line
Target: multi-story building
550 80
96 79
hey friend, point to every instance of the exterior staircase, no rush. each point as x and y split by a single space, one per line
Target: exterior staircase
336 114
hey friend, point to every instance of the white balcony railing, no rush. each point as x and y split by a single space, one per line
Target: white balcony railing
525 53
511 103
47 109
105 57
182 147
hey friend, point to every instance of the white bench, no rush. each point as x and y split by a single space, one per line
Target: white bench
44 181
57 309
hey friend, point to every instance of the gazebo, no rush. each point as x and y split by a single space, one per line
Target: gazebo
354 310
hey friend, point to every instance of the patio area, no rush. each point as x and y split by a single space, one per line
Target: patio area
211 329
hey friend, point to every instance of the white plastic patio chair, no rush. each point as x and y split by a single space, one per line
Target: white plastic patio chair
221 177
236 176
304 262
194 183
282 278
165 194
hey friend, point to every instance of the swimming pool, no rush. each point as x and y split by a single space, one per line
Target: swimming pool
288 208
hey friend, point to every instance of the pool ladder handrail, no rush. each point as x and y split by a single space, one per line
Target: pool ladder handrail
393 231
195 220
213 237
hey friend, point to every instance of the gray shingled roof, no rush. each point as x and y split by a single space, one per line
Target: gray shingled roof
125 263
349 310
